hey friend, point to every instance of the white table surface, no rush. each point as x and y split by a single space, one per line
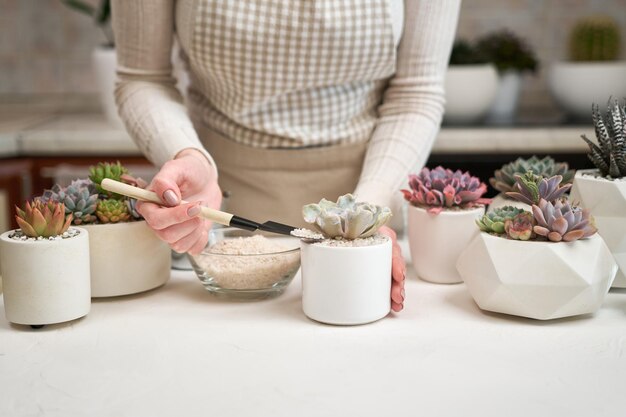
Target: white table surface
178 351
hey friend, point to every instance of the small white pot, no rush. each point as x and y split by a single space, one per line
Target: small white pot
576 85
45 281
126 258
470 91
607 202
436 241
504 107
539 280
502 200
346 285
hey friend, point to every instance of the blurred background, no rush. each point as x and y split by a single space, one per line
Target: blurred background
524 74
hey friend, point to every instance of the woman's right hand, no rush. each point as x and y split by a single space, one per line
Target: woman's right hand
189 176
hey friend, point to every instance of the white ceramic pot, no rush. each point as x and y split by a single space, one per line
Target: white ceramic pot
346 285
45 281
539 280
126 258
469 91
436 241
504 107
576 85
607 201
502 200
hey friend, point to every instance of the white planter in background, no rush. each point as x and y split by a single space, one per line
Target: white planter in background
577 85
45 281
126 258
346 285
436 241
538 280
607 202
504 107
469 91
502 200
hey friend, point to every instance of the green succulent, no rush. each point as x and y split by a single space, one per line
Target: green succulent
504 178
507 51
609 156
42 218
107 170
347 218
595 39
112 211
493 221
80 199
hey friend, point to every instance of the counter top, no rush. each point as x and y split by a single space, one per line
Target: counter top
179 351
91 134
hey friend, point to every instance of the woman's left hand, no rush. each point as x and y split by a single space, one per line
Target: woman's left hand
398 271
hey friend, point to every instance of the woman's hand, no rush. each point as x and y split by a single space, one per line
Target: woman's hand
398 271
189 176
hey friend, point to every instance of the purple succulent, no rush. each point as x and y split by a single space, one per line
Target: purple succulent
441 188
520 227
560 221
530 188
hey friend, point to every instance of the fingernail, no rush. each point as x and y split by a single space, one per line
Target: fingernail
193 211
170 197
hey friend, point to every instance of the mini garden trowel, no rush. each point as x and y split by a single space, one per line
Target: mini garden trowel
216 216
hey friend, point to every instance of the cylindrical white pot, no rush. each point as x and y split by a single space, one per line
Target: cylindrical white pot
504 105
501 200
470 91
45 281
126 258
346 285
436 241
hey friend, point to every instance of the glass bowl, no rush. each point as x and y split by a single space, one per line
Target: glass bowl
239 275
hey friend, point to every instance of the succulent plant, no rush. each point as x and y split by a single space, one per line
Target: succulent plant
559 221
464 53
595 39
80 198
43 218
131 204
504 178
107 170
493 221
441 188
530 188
112 211
520 227
507 51
609 156
347 218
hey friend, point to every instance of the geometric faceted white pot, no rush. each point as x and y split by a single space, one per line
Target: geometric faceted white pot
437 240
470 91
538 280
606 200
45 281
346 285
126 258
502 200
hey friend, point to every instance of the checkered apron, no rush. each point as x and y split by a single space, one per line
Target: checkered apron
288 74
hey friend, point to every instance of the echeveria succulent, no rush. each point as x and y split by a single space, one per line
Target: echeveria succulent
347 218
80 198
493 221
107 170
609 156
504 178
112 211
43 218
520 227
530 188
560 221
441 188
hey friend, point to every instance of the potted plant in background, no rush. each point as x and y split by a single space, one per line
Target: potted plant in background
512 56
443 208
45 266
603 190
594 70
503 179
126 256
346 276
471 85
544 264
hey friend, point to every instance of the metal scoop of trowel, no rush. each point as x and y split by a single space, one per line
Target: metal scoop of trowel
216 216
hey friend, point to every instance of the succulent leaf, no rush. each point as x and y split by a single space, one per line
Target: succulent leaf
107 170
609 155
112 211
80 199
560 221
493 221
504 178
43 218
530 188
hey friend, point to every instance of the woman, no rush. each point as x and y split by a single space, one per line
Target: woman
292 100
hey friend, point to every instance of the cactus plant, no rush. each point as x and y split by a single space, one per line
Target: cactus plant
43 218
441 188
347 218
493 222
504 178
595 39
559 221
80 198
507 51
107 170
520 227
609 156
530 188
112 211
